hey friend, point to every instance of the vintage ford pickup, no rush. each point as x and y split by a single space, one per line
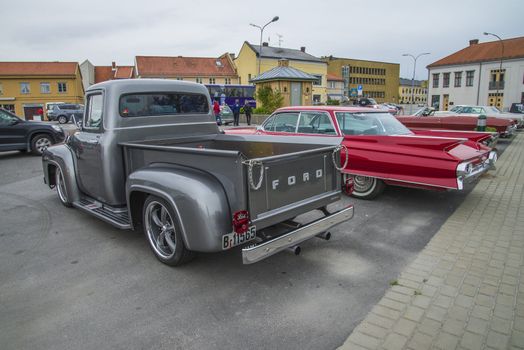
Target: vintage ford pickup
149 154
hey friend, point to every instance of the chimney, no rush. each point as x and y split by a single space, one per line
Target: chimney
265 44
473 42
283 62
113 66
232 56
303 48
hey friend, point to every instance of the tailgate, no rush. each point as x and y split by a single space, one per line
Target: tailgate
292 184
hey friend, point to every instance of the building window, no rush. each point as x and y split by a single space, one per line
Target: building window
1 89
435 80
331 84
435 101
227 81
62 87
458 79
24 88
198 80
211 80
45 88
319 79
179 78
469 77
445 80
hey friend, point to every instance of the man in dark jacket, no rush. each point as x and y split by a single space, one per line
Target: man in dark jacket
236 112
247 111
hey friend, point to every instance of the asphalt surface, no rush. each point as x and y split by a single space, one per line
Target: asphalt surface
68 280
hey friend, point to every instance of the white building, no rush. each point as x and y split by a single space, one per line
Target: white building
473 76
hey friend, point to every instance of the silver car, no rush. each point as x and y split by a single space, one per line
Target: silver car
66 112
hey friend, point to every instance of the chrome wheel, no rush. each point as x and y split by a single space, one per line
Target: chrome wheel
62 119
160 229
363 184
60 186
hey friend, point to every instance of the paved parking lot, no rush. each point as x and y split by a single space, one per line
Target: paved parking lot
71 281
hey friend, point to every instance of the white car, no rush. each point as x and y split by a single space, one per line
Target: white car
475 111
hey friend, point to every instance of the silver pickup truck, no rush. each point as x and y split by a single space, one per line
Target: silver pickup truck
149 154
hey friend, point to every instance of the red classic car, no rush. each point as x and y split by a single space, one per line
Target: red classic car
377 150
427 119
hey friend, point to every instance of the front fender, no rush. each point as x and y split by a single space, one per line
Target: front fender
198 199
61 156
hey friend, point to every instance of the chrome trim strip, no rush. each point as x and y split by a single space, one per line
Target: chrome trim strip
261 251
160 125
404 181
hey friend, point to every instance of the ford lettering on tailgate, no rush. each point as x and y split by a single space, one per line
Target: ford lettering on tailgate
287 182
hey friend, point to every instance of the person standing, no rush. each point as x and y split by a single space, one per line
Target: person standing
216 111
236 112
247 111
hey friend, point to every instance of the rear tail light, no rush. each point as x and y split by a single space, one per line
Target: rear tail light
240 221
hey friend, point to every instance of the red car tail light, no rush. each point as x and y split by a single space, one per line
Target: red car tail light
241 221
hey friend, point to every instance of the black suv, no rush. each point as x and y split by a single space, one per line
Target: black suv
64 112
18 134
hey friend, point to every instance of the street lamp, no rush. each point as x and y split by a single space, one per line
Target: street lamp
413 79
500 68
262 31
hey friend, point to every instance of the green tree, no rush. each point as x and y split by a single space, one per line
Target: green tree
269 99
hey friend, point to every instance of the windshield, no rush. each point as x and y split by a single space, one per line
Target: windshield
370 124
492 110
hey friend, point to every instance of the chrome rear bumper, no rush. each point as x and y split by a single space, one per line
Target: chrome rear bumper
263 250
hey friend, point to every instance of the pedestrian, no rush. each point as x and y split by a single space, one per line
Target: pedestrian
236 112
216 111
247 111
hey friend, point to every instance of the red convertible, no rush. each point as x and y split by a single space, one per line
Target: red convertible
377 150
426 118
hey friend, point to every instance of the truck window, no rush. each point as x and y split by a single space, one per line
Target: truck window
94 111
157 104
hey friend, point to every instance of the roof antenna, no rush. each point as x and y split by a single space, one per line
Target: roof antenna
280 40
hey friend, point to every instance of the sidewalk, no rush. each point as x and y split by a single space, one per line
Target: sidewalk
465 290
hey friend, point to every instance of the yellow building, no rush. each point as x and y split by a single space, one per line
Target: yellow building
25 87
247 65
379 80
416 95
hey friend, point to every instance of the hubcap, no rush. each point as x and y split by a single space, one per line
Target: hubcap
363 183
42 143
160 229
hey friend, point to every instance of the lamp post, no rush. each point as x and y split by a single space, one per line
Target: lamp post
261 32
500 68
415 58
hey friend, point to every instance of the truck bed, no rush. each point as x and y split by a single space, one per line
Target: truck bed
297 173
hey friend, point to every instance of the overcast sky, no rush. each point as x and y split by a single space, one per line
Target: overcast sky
380 30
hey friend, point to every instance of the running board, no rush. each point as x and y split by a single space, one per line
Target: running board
116 216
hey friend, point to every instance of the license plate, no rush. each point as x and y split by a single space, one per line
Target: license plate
231 240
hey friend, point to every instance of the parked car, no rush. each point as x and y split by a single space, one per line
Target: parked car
381 151
425 118
226 114
489 111
65 112
517 108
21 135
150 154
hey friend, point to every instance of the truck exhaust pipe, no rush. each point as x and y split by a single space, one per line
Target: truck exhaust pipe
324 235
295 250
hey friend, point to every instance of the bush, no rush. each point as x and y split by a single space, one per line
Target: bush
332 102
269 100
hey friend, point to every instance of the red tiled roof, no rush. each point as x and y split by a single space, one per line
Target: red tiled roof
105 73
333 77
156 66
124 72
490 51
38 68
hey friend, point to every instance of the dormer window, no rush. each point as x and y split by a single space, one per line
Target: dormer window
218 63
